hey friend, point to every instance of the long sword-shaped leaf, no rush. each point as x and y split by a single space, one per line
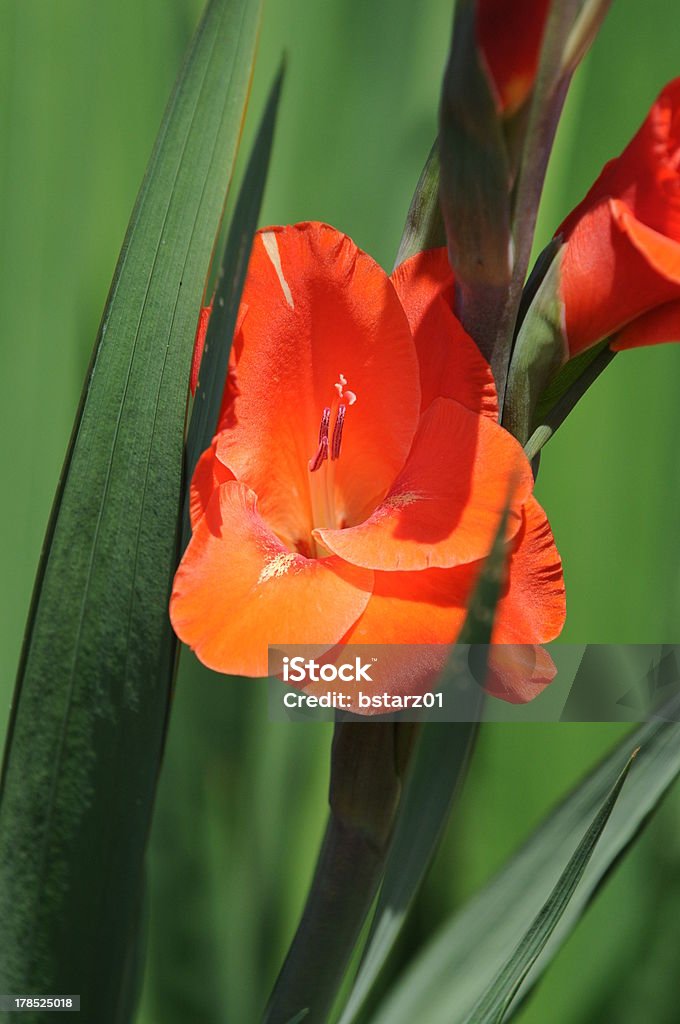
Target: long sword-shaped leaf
456 968
88 721
185 988
439 766
492 1006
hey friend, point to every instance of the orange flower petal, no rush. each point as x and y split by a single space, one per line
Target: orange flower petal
451 365
645 176
622 254
419 615
239 589
532 611
318 307
614 269
429 607
444 507
661 253
658 326
533 608
208 476
518 673
425 607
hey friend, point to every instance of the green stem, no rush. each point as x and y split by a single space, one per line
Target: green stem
367 764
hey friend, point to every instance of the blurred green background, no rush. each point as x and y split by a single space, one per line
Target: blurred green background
242 800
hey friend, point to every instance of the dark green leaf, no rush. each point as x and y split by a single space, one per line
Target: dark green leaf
92 695
492 1007
447 979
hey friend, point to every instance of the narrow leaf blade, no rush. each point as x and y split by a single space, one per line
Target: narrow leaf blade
88 722
447 979
498 997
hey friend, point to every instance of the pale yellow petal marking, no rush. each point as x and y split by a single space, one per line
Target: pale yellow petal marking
272 249
279 565
401 500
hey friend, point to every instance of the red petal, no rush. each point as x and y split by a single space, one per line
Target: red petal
656 327
518 673
533 608
614 269
646 175
318 307
451 365
239 589
510 35
208 476
426 607
429 608
444 507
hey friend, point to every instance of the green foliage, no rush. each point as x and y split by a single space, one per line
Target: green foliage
465 962
85 739
242 798
495 1002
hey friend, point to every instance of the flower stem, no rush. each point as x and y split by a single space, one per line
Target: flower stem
368 760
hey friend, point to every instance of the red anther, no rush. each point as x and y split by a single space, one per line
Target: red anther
325 424
337 432
320 457
322 450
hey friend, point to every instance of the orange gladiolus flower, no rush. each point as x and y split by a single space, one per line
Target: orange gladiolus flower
509 33
621 267
358 473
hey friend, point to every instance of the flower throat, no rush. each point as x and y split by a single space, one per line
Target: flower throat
322 464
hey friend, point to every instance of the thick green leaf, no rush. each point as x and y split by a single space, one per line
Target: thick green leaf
445 982
92 695
438 769
231 278
496 1000
181 986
